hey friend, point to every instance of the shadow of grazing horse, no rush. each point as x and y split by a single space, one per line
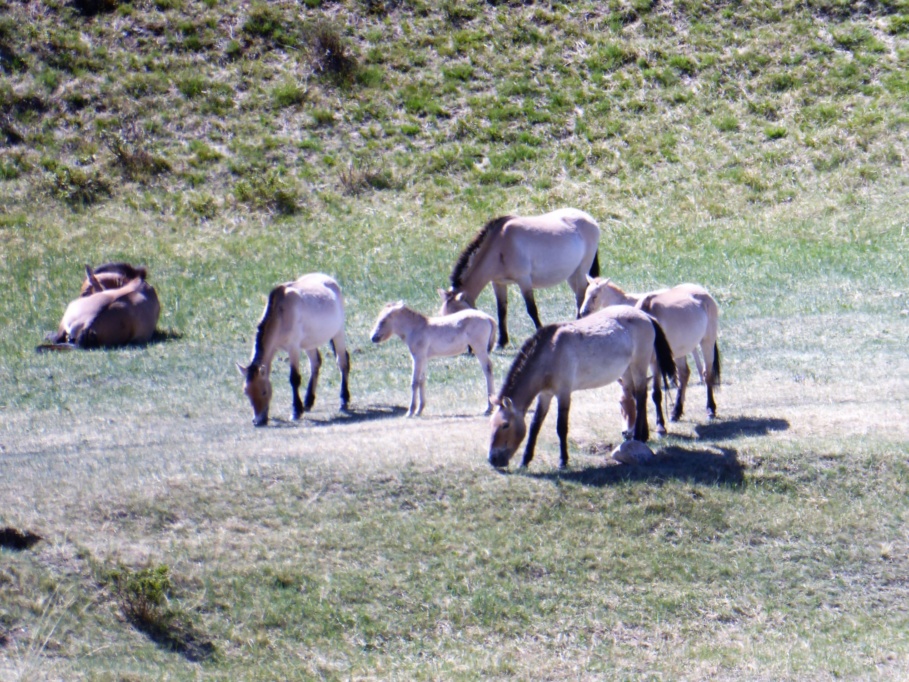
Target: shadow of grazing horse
533 252
614 343
718 466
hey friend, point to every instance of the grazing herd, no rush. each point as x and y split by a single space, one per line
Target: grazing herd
616 336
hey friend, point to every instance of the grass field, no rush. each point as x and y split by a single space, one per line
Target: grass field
759 150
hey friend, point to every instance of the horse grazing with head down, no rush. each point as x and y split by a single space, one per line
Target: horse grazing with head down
301 315
689 315
434 337
614 344
108 313
533 252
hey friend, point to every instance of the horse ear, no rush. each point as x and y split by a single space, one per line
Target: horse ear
494 400
442 294
460 297
591 280
507 404
241 369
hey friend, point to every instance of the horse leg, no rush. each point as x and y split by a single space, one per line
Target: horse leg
501 292
629 411
657 396
343 359
486 366
531 303
295 381
315 364
641 428
416 386
684 372
712 377
562 429
539 415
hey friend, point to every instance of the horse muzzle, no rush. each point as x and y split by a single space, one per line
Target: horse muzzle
260 420
499 458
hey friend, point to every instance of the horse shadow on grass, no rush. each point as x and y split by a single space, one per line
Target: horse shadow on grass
727 429
706 466
354 415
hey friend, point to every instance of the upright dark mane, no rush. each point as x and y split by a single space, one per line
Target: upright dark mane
526 357
460 267
260 331
126 270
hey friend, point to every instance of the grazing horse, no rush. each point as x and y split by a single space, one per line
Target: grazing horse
434 337
107 317
301 315
614 344
533 252
689 316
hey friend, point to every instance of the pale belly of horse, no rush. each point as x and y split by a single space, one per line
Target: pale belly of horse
556 267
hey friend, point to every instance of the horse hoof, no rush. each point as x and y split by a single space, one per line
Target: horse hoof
661 430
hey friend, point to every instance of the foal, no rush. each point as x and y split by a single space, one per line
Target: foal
434 337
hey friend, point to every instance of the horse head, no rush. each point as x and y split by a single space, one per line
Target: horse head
384 326
508 429
601 292
258 389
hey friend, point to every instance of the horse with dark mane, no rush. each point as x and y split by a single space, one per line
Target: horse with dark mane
111 276
301 315
613 344
533 252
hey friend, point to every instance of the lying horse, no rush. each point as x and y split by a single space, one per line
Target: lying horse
533 252
614 344
689 316
301 315
107 317
434 337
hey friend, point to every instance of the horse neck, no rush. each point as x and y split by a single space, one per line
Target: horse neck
475 268
525 379
266 335
626 298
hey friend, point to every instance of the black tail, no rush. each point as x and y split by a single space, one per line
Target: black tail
664 355
714 378
595 266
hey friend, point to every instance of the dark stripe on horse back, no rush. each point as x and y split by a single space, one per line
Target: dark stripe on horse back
125 269
494 225
270 308
526 357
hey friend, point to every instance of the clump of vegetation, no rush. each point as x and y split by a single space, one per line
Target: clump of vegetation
144 597
356 180
329 54
274 191
78 187
136 162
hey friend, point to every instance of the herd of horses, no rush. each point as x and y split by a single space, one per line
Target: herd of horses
616 336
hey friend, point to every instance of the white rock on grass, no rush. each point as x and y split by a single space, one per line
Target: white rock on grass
633 452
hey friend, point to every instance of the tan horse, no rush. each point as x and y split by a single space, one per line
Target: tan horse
434 337
301 315
107 317
689 316
614 344
533 252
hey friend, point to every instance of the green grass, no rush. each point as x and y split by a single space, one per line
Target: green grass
757 150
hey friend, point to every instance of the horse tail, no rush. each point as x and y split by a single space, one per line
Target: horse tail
664 354
55 346
595 266
714 378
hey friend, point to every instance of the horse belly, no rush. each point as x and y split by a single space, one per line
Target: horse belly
684 328
596 360
553 264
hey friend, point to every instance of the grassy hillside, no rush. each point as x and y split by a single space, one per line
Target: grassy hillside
759 148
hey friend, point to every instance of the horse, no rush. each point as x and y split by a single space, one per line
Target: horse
533 252
434 337
616 343
111 276
301 315
689 316
107 317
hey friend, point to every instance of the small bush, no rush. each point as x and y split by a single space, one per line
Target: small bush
134 161
356 180
273 192
78 187
288 94
775 132
328 54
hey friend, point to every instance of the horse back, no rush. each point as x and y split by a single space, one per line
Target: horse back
310 310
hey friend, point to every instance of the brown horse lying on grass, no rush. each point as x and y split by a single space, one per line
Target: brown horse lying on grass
104 317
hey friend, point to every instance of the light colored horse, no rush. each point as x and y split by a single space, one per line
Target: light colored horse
434 337
108 317
689 316
301 315
533 252
614 344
